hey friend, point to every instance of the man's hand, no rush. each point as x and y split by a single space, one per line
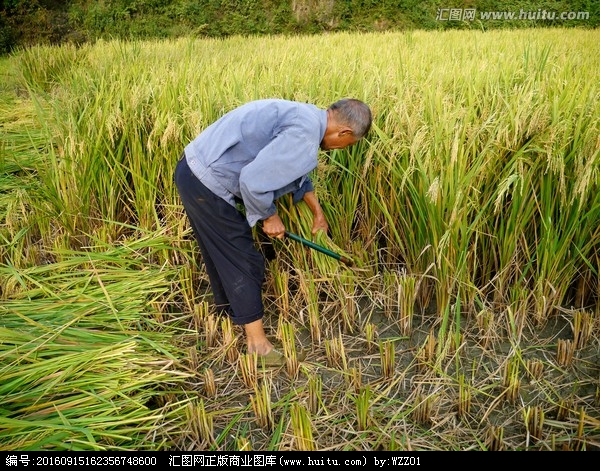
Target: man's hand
319 221
320 224
273 227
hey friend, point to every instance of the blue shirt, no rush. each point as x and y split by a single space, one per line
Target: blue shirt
259 152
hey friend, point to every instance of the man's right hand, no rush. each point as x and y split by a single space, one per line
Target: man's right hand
273 227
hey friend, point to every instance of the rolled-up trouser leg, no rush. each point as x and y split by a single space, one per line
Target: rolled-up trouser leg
235 268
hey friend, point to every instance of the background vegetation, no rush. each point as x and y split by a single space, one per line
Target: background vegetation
28 22
472 211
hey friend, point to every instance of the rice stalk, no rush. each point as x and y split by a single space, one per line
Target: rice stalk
511 382
261 405
211 330
193 358
464 397
487 327
311 299
495 438
354 378
534 369
243 444
517 314
371 336
387 352
407 295
422 408
564 409
426 354
534 421
200 424
579 442
336 353
363 401
248 368
302 428
346 286
565 352
209 385
282 292
229 340
188 288
315 393
289 348
582 326
390 288
201 319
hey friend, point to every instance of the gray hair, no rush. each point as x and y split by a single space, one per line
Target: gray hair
353 113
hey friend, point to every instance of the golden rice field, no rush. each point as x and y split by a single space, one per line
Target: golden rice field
472 211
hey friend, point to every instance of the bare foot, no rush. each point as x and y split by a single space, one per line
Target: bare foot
256 339
260 349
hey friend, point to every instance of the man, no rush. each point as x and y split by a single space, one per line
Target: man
229 179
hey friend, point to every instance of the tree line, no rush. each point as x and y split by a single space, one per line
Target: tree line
27 22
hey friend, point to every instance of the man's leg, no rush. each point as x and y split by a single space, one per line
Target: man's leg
234 266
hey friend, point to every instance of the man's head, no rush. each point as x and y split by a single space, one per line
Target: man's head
348 121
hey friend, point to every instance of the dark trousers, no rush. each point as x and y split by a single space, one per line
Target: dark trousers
234 266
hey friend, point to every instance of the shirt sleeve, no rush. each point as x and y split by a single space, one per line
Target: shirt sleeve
288 157
306 186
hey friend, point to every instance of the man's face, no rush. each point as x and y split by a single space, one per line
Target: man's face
338 141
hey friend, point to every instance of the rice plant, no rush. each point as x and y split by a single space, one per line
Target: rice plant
302 428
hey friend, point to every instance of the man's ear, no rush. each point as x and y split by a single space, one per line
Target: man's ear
345 131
